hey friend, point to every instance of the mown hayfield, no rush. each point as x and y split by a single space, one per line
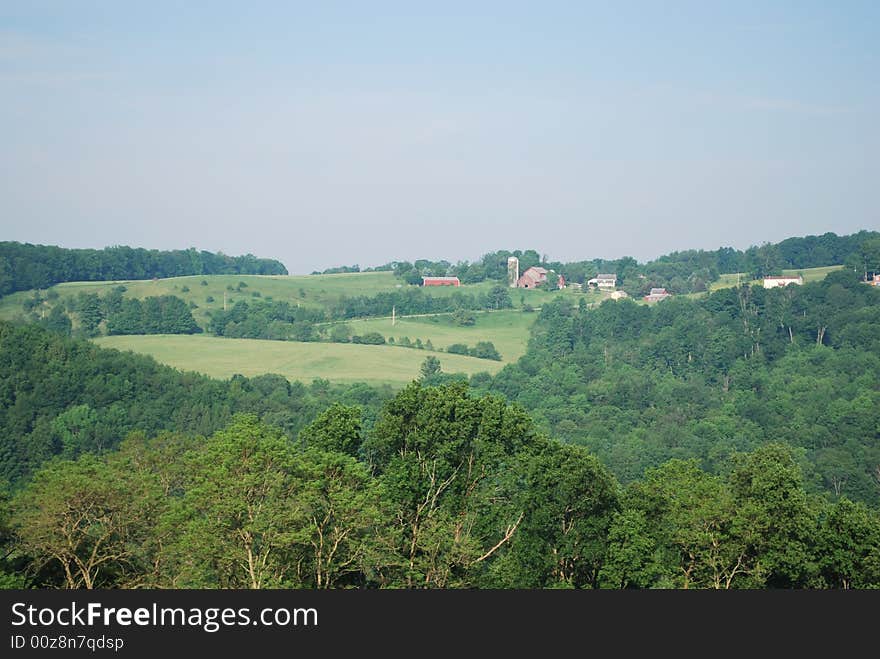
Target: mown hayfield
508 330
813 274
336 362
809 274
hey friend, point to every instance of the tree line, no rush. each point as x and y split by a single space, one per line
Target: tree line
25 267
681 272
263 319
111 314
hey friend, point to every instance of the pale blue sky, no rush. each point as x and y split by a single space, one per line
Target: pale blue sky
326 133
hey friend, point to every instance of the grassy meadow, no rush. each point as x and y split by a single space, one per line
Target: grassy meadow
508 330
336 362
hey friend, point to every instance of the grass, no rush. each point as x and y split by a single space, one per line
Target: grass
729 281
336 362
508 330
813 274
809 274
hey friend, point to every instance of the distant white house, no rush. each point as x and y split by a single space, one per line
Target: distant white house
607 282
776 282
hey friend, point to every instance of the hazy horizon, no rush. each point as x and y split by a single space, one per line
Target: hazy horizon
341 133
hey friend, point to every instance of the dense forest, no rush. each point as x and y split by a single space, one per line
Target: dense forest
446 490
705 378
24 266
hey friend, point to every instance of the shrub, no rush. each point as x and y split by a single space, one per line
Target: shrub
464 318
370 338
486 350
340 334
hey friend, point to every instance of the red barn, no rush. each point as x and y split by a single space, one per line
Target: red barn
440 281
532 278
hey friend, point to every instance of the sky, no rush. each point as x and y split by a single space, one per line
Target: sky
340 133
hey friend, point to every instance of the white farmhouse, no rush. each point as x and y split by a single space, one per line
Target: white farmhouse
776 282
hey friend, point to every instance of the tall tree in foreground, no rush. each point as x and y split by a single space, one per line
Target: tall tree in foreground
569 500
849 546
87 520
240 515
448 464
776 516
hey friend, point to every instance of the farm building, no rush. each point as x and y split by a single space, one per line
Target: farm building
775 282
604 281
512 271
560 283
532 278
440 281
657 294
875 281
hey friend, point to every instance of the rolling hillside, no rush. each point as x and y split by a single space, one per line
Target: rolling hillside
307 290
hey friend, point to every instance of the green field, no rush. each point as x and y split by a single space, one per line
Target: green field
336 362
813 274
305 290
809 274
508 330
